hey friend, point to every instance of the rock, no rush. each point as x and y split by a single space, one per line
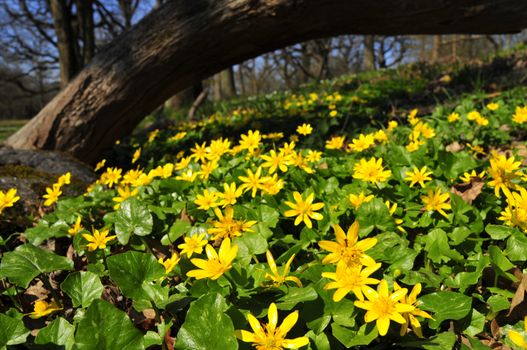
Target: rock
30 172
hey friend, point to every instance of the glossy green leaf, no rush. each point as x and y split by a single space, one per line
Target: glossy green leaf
59 333
27 262
207 326
82 287
136 274
106 327
296 295
446 305
12 331
133 217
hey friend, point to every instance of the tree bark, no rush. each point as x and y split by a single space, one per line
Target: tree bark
369 52
183 42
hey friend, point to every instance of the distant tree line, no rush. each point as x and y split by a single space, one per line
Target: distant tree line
45 43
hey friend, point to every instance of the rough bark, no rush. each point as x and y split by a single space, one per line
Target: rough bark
183 42
369 52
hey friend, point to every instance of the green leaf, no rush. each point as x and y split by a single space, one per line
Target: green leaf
106 327
375 214
82 287
517 247
438 248
498 232
207 326
442 341
27 262
454 164
499 260
268 215
249 244
134 273
498 303
133 217
477 323
59 332
349 337
446 306
12 331
296 295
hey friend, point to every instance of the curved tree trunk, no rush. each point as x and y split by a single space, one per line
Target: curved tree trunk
183 42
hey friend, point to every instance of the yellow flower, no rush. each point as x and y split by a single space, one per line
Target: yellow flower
218 148
277 278
77 227
482 121
358 200
272 184
392 124
516 212
183 163
124 193
298 160
187 175
493 106
227 227
269 336
304 129
336 142
52 195
98 239
453 117
476 149
473 115
520 115
392 209
382 306
253 181
350 279
467 177
504 171
251 141
313 156
207 168
199 153
206 200
64 179
7 199
361 143
169 263
177 136
517 338
333 114
131 177
304 209
288 148
217 263
412 119
136 155
111 176
348 249
380 136
409 317
193 244
436 200
413 146
230 194
275 161
152 135
42 308
100 165
371 170
418 176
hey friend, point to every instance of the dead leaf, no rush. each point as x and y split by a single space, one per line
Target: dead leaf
519 295
469 191
38 290
495 329
454 147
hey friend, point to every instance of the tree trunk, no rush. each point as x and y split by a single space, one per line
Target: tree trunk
183 42
86 29
436 48
369 53
66 42
228 85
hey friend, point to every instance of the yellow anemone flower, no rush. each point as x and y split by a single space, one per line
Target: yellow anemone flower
193 244
411 299
348 248
437 201
269 336
304 210
517 338
277 278
217 263
42 308
8 198
98 239
382 306
418 176
350 279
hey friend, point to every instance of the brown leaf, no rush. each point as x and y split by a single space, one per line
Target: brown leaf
38 290
495 329
454 147
169 341
469 191
519 295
